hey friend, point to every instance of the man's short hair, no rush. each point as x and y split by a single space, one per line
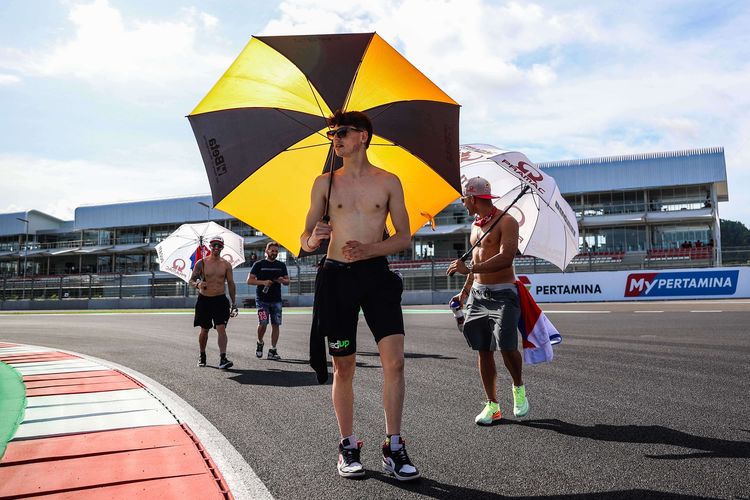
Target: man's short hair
352 118
271 244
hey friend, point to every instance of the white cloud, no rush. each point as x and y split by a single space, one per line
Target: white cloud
57 187
142 57
6 79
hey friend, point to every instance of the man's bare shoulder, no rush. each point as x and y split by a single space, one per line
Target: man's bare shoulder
322 179
508 221
385 177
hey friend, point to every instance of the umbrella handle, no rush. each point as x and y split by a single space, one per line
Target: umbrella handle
526 189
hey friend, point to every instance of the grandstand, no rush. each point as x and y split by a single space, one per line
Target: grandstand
637 211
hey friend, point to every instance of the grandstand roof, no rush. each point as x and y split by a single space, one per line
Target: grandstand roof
642 171
143 213
12 223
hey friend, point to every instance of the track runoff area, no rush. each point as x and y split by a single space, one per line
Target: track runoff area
643 400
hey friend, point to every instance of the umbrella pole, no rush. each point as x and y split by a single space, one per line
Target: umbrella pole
326 218
465 256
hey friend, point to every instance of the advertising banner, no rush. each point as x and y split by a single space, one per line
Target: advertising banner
668 284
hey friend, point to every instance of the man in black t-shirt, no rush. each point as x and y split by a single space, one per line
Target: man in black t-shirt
268 274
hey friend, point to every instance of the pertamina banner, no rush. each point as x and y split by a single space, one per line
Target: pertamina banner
639 285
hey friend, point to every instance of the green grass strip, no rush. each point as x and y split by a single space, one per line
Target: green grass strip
12 403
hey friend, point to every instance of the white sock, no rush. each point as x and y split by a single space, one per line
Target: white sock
349 442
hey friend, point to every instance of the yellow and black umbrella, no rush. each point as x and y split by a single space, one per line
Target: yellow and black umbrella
261 128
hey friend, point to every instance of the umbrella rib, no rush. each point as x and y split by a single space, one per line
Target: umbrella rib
301 123
308 147
383 110
356 73
315 96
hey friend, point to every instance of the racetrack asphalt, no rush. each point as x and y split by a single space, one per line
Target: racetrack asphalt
643 400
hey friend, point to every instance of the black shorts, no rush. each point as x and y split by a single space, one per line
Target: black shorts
343 288
211 311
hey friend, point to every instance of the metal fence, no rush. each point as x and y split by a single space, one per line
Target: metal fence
424 275
94 286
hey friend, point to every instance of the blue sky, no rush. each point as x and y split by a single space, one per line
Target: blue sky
94 93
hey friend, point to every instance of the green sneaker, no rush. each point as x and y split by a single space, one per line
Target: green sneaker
491 413
520 403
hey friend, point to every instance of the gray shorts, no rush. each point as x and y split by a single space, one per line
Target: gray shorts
492 318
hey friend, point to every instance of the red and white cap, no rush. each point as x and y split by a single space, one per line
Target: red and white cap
479 187
216 239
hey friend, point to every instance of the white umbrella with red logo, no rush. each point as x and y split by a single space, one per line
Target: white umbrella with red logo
178 252
547 225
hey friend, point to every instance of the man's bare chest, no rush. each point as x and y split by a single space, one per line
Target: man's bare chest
489 239
213 270
359 199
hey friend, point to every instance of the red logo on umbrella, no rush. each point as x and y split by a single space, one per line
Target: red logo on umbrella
521 218
178 264
528 173
466 156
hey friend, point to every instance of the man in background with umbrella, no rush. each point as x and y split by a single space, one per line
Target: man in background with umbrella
493 302
358 197
212 309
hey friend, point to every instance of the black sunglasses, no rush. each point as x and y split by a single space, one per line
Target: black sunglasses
217 245
340 132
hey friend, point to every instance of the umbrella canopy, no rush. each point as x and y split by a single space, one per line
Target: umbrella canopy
547 225
261 128
178 252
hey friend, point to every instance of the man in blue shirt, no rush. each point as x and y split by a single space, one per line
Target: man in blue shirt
268 274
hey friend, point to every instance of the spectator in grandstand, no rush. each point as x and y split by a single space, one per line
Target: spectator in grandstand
268 275
492 298
212 309
356 275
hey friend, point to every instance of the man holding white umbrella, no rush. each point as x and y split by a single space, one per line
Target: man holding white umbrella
185 255
493 301
213 309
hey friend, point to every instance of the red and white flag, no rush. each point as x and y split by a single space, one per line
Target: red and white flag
538 333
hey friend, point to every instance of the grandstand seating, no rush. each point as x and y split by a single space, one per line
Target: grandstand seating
672 254
598 258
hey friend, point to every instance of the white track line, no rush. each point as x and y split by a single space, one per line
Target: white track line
241 478
576 312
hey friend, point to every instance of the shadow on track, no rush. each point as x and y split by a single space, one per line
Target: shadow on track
648 434
435 489
273 376
408 355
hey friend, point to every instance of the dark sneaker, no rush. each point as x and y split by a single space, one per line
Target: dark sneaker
349 464
397 462
202 360
259 350
224 363
272 354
